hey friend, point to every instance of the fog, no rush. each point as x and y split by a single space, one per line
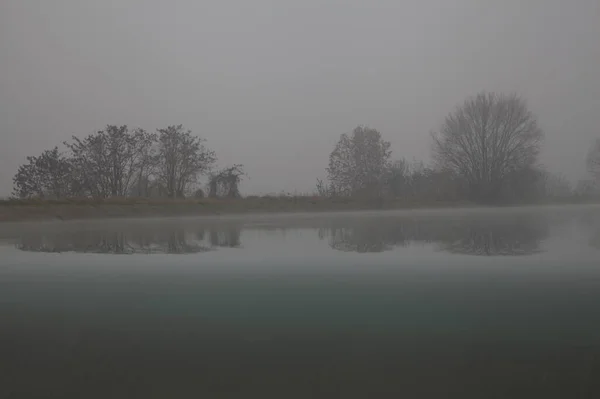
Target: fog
272 84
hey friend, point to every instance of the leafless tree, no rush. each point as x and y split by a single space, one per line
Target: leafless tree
45 176
593 161
225 183
146 162
484 141
359 162
182 158
107 162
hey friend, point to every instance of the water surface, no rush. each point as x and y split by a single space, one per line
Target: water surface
463 303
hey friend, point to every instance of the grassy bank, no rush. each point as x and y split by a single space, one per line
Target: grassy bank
71 209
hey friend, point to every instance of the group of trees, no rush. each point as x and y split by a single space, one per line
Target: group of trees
485 151
121 162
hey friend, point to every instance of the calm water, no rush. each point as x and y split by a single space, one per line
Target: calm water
443 304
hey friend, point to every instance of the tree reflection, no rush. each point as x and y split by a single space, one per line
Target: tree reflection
89 242
506 234
229 237
148 241
522 236
365 238
515 235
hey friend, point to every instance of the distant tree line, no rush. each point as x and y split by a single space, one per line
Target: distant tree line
485 151
122 162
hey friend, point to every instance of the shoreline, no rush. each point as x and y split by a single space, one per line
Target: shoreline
66 210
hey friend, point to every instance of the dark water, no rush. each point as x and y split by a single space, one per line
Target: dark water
430 304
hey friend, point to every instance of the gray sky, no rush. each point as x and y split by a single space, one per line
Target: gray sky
273 83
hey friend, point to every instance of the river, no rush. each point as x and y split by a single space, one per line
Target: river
481 303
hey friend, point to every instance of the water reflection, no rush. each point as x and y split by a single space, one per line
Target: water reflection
228 237
148 241
509 234
516 235
372 236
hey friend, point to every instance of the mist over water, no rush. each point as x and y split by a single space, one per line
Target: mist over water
465 303
149 107
479 232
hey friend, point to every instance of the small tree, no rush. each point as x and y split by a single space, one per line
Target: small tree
225 183
45 176
359 162
486 141
181 159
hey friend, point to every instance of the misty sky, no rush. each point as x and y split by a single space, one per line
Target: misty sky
273 83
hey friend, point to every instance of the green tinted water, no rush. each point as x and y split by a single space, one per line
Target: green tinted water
428 304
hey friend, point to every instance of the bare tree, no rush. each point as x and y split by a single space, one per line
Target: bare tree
359 162
225 183
44 176
593 161
107 161
182 158
484 141
145 163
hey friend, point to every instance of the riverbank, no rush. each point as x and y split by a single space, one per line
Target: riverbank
80 209
77 209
